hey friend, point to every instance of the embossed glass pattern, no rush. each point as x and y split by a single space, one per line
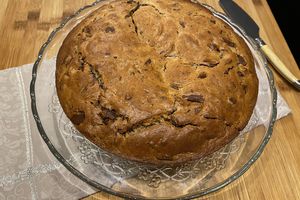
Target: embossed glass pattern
135 180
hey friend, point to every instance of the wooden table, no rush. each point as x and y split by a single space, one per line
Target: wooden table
26 24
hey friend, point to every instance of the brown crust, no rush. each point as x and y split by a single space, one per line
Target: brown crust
156 81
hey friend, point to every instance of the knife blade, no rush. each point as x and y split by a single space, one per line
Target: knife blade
240 17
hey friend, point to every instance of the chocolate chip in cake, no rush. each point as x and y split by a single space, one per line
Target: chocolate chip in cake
78 117
240 73
111 114
175 86
175 7
221 55
171 112
208 116
87 30
213 47
165 67
212 21
174 121
128 97
209 63
182 24
241 60
97 103
202 75
228 70
245 87
110 29
108 115
148 62
197 110
229 42
229 124
164 98
228 61
194 98
232 100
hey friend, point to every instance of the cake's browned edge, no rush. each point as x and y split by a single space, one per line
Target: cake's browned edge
254 89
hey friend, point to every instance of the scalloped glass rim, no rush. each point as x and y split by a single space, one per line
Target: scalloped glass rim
125 195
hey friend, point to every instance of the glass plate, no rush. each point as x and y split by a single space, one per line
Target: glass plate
129 179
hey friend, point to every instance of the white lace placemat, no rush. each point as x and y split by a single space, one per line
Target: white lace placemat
28 170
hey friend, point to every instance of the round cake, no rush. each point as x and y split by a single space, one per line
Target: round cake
156 81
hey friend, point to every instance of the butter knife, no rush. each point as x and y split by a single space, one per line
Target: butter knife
239 16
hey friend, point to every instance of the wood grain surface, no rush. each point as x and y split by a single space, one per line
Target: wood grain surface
26 24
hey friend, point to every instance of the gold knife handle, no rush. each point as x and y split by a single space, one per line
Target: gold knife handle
280 66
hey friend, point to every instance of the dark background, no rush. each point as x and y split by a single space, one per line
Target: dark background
288 18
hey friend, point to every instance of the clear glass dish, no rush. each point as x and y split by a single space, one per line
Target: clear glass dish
128 179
